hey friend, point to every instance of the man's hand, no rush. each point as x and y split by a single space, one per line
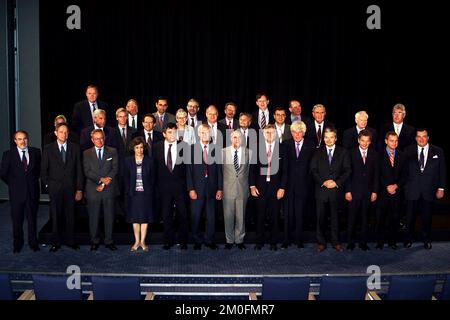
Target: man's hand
439 194
193 195
100 187
106 180
254 191
373 197
348 196
219 194
78 195
392 188
280 194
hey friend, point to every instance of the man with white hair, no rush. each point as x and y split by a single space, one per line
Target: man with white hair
99 123
350 139
405 133
317 126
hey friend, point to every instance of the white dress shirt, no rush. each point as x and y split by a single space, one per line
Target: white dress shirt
425 153
398 128
213 127
130 120
27 155
280 131
147 133
266 113
239 154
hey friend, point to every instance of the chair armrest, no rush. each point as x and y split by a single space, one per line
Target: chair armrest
372 295
150 296
27 295
252 296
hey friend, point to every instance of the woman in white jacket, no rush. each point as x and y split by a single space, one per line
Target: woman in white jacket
184 132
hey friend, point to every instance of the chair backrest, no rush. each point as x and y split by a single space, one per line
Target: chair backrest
113 288
5 288
445 293
343 288
285 289
54 288
411 288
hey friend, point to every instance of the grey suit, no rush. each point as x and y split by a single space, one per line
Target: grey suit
168 117
235 194
94 170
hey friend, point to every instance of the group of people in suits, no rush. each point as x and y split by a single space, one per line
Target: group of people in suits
181 166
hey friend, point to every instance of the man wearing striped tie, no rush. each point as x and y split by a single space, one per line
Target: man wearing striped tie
392 180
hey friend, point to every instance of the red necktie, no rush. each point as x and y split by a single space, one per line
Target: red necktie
229 124
391 157
364 157
24 161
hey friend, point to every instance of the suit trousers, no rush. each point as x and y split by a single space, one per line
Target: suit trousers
94 206
358 210
267 204
19 211
197 206
167 202
234 219
293 219
387 219
424 207
321 205
62 208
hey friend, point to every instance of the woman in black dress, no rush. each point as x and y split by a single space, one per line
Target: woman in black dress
138 178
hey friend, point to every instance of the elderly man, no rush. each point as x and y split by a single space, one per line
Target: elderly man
295 109
404 131
133 119
99 123
83 110
218 129
318 125
194 117
350 138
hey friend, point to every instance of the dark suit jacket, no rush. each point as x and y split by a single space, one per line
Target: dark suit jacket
21 183
350 138
298 169
93 171
82 116
122 147
432 178
222 128
235 123
50 137
148 176
303 118
339 171
311 133
258 168
255 120
195 171
139 120
170 182
156 137
86 142
58 175
364 178
392 175
407 136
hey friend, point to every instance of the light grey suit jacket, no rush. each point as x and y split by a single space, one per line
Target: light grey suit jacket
235 184
93 170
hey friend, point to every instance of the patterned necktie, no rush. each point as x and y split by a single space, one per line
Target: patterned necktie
229 125
169 158
94 106
391 157
422 160
269 160
297 149
263 121
330 156
63 154
205 160
364 156
236 161
319 135
24 161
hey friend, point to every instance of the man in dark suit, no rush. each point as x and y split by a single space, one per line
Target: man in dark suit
133 118
61 172
161 115
168 156
205 185
101 165
262 117
330 167
362 187
218 129
295 109
318 125
351 136
404 132
151 136
51 137
83 110
20 169
230 121
283 129
194 117
268 179
393 175
99 123
426 181
298 153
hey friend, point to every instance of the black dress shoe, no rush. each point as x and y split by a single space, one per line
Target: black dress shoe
197 246
364 247
228 246
167 246
55 248
16 250
35 248
300 245
259 246
212 246
183 246
407 244
273 247
94 247
241 246
379 246
111 247
427 245
351 246
393 246
74 247
284 246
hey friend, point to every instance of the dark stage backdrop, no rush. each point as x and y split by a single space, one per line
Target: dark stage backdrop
219 51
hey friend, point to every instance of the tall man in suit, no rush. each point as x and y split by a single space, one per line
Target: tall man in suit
99 123
404 131
133 119
295 109
330 167
362 187
426 181
101 165
229 121
262 117
194 117
20 170
351 135
161 115
393 175
169 163
218 129
61 172
316 129
299 152
267 181
83 110
283 129
205 186
150 135
236 167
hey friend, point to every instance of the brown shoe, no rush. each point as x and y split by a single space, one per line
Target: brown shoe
338 248
320 248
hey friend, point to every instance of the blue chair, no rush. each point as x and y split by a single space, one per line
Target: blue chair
284 289
343 288
411 288
445 293
54 288
6 292
112 288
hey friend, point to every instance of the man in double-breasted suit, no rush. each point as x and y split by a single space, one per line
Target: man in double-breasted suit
61 172
101 165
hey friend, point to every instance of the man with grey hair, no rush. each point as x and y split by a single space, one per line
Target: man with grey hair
405 133
99 123
350 138
318 125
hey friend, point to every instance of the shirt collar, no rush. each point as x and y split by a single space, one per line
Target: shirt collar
64 145
20 150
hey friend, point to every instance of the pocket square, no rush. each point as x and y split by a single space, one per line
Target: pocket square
109 159
435 156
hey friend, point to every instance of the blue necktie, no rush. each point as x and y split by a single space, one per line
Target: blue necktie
63 154
330 156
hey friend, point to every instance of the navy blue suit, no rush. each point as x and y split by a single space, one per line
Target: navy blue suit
82 115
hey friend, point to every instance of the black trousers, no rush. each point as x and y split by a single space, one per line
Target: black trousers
358 210
20 210
62 213
167 203
424 207
322 221
209 204
267 204
387 219
293 219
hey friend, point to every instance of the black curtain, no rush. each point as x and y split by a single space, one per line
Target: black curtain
219 51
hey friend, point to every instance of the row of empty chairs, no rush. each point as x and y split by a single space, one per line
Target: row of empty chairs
273 288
